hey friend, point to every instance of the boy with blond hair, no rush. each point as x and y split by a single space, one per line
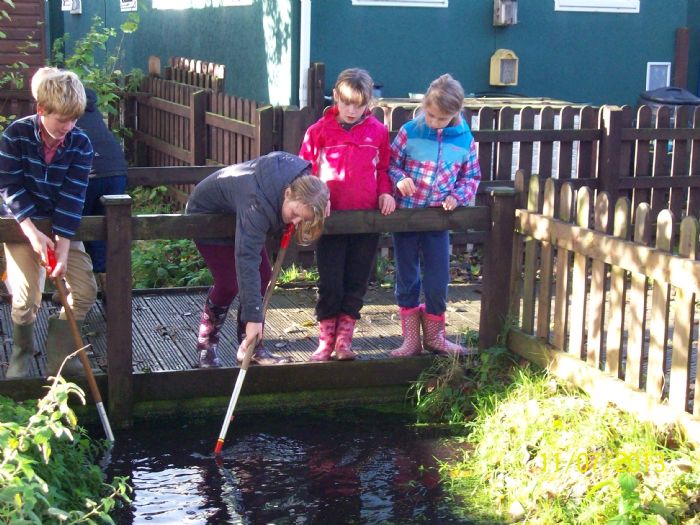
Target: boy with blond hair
44 166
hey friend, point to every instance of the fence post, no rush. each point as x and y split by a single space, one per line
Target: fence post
498 253
609 161
264 130
198 110
294 124
316 92
119 345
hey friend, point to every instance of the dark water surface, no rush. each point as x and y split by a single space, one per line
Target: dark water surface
285 470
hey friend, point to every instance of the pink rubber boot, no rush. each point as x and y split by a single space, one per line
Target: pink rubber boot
410 329
343 338
326 339
434 339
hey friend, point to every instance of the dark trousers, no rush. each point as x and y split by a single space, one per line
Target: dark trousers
97 187
344 267
221 261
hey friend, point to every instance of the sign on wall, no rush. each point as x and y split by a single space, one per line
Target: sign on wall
128 5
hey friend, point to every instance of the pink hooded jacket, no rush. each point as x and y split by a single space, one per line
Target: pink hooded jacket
354 164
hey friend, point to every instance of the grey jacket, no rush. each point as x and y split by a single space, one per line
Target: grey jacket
254 192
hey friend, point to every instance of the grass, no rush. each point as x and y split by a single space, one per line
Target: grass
540 452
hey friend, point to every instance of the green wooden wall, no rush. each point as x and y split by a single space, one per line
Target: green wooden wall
582 57
233 36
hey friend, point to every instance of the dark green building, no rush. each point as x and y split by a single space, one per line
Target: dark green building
587 51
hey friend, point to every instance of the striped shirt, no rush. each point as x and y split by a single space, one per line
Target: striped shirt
31 187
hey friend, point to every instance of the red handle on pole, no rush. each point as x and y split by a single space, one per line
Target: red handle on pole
287 235
51 256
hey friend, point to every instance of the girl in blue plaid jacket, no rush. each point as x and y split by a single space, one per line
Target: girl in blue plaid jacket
433 163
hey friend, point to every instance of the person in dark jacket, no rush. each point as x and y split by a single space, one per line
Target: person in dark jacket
108 175
264 194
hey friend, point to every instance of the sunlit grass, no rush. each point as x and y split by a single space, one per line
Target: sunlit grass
540 452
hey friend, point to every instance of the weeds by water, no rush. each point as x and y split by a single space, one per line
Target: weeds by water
48 471
539 452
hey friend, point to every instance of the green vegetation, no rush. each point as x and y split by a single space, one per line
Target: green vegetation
102 74
539 452
48 471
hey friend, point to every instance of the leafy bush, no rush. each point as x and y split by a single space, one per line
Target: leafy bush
105 77
48 471
166 263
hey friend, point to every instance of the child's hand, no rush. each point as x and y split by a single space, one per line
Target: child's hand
387 204
406 187
62 247
254 332
450 203
40 242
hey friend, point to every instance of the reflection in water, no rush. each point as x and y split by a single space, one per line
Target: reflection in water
284 471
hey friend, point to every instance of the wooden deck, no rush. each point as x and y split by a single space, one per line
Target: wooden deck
165 325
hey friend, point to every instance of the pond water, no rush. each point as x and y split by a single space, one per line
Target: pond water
288 469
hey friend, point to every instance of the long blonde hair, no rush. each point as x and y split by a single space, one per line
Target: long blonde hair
446 93
312 192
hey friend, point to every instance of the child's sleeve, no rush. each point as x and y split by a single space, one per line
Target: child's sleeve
468 178
16 198
309 149
251 233
68 209
398 157
384 183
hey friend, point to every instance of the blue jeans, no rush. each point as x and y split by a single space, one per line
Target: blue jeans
97 187
433 250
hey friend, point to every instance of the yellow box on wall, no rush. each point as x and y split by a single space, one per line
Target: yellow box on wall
504 68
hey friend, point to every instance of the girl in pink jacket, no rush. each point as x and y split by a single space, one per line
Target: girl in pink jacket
349 150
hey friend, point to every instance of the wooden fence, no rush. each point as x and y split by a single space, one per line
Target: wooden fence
612 315
492 224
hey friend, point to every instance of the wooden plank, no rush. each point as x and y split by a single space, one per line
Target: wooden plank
530 272
679 165
527 122
562 285
596 296
566 148
118 213
694 168
660 298
484 146
577 311
489 135
662 131
544 301
586 167
516 283
504 152
618 294
642 159
679 375
661 165
231 125
658 265
638 303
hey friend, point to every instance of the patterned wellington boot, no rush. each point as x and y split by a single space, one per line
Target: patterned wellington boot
210 324
434 339
410 329
343 338
326 339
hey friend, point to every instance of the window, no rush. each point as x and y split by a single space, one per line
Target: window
658 75
606 6
402 3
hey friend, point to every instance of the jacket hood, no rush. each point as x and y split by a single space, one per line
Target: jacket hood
458 129
91 100
273 173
